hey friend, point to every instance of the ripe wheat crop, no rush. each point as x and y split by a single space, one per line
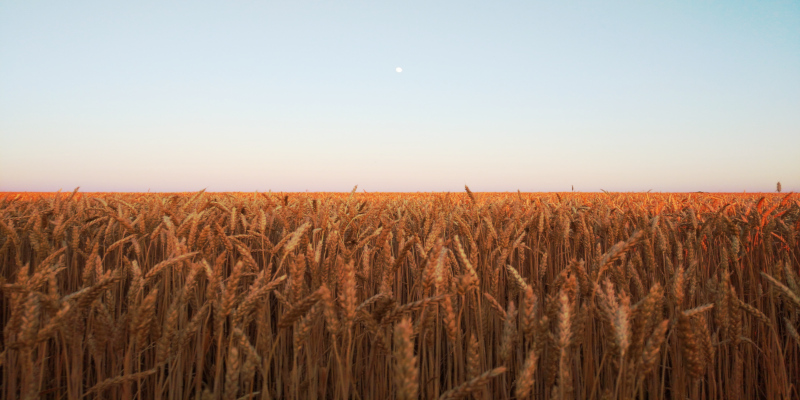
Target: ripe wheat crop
399 296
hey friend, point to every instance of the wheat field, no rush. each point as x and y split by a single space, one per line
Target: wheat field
399 296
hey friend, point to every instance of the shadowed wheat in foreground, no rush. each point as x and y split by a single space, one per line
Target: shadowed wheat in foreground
406 296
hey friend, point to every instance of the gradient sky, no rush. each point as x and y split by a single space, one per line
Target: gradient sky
499 95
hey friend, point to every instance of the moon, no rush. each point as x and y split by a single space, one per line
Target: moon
398 69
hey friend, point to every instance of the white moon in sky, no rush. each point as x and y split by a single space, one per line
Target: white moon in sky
398 69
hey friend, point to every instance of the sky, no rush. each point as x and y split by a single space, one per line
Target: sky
304 95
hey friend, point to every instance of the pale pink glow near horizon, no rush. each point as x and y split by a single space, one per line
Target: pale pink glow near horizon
373 175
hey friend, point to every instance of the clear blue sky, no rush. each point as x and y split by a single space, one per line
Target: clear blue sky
500 95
